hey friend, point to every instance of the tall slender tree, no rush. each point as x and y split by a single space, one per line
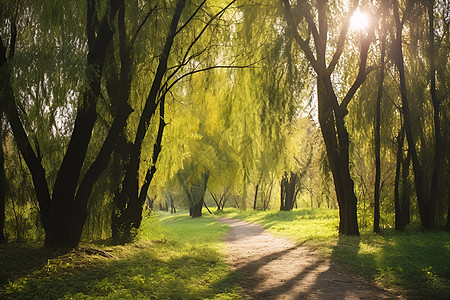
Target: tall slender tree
377 132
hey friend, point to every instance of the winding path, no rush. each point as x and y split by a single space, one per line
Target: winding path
275 268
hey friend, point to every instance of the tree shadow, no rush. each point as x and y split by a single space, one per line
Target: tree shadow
319 279
18 260
340 281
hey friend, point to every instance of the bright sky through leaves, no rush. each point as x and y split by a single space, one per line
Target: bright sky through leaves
360 20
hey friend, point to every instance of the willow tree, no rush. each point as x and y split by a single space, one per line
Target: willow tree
61 213
186 50
310 22
421 58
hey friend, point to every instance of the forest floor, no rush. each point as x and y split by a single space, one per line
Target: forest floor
272 267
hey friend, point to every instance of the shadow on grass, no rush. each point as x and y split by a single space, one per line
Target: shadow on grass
143 275
312 278
18 260
416 264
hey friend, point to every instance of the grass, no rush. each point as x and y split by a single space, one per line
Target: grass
413 263
175 258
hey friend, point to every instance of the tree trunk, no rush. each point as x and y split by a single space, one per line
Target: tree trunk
426 208
398 168
20 136
335 136
439 149
120 100
406 192
256 197
283 184
173 210
289 183
198 197
67 218
377 138
2 186
129 213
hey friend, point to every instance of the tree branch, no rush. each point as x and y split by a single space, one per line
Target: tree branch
133 39
301 42
341 41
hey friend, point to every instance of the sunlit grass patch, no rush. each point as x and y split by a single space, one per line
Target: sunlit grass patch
176 258
314 226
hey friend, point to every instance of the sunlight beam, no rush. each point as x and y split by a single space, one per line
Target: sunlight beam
359 21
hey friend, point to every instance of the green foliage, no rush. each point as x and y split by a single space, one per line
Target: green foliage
177 258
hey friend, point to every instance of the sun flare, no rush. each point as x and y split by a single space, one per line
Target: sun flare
359 20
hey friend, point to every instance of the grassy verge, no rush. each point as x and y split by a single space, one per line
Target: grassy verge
175 258
413 263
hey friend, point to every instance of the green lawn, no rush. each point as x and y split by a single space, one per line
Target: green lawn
414 263
175 258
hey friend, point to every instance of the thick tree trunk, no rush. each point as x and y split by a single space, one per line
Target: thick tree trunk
196 210
57 214
335 136
123 111
289 183
67 218
197 197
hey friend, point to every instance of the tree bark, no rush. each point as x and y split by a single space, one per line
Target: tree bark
398 211
377 138
289 183
128 199
426 208
65 223
2 185
406 192
256 197
20 136
438 147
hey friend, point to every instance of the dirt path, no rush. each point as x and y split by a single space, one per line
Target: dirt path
275 268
